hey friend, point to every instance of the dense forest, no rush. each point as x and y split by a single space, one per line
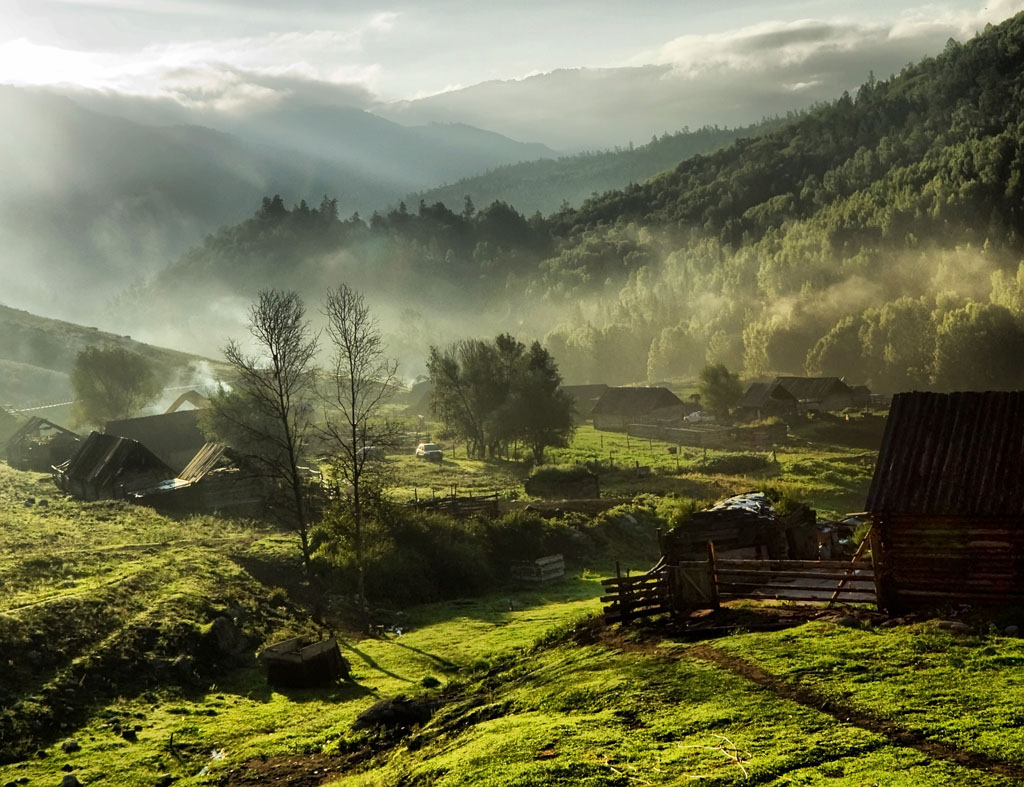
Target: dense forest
877 238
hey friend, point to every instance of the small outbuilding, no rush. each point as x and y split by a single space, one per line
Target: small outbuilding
947 501
40 444
106 467
617 408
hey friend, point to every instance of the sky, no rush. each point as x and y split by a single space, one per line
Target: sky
240 51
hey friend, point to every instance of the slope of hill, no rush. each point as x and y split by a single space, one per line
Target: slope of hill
37 354
547 184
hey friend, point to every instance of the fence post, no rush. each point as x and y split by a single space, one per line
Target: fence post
713 575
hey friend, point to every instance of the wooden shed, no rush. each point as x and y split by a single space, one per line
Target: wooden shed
40 444
947 501
619 407
763 400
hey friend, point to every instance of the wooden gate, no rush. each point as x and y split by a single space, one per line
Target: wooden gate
690 585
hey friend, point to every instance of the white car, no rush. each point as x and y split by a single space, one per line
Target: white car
429 451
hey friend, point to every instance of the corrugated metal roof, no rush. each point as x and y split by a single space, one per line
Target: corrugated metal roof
629 400
203 462
952 454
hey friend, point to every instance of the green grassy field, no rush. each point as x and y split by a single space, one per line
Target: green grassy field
107 623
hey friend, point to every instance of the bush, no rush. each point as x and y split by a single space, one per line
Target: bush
733 464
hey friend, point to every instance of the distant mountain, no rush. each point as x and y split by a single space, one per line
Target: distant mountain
546 184
381 151
90 203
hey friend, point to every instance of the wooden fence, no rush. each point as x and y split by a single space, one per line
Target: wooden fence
687 586
457 506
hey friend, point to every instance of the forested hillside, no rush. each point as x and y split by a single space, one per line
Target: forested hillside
878 238
545 184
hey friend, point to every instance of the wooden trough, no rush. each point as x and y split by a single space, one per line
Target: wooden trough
542 571
300 663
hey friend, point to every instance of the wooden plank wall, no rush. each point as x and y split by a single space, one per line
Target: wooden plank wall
931 561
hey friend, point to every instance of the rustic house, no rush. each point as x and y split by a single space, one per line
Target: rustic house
106 467
584 397
764 400
174 436
215 480
40 444
947 501
819 393
619 407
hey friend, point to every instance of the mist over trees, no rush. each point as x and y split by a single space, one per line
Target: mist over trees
818 247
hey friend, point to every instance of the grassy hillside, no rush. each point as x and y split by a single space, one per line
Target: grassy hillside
37 354
129 640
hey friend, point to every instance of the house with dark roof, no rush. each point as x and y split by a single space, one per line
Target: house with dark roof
617 408
947 501
40 444
764 400
819 393
106 467
584 397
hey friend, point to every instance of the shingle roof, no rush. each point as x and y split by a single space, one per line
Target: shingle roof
951 454
633 400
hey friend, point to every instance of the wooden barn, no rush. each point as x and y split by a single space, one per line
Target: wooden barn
947 501
584 397
174 436
106 467
764 400
619 407
40 444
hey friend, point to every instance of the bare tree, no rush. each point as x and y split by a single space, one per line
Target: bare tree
268 412
360 381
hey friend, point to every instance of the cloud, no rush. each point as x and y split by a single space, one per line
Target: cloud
730 78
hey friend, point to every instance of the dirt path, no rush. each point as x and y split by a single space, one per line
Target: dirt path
847 715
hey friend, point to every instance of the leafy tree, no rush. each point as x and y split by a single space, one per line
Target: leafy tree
111 383
541 413
493 393
979 347
267 413
359 383
720 389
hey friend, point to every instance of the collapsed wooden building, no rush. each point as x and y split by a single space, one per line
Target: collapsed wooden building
106 467
216 479
40 445
947 501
